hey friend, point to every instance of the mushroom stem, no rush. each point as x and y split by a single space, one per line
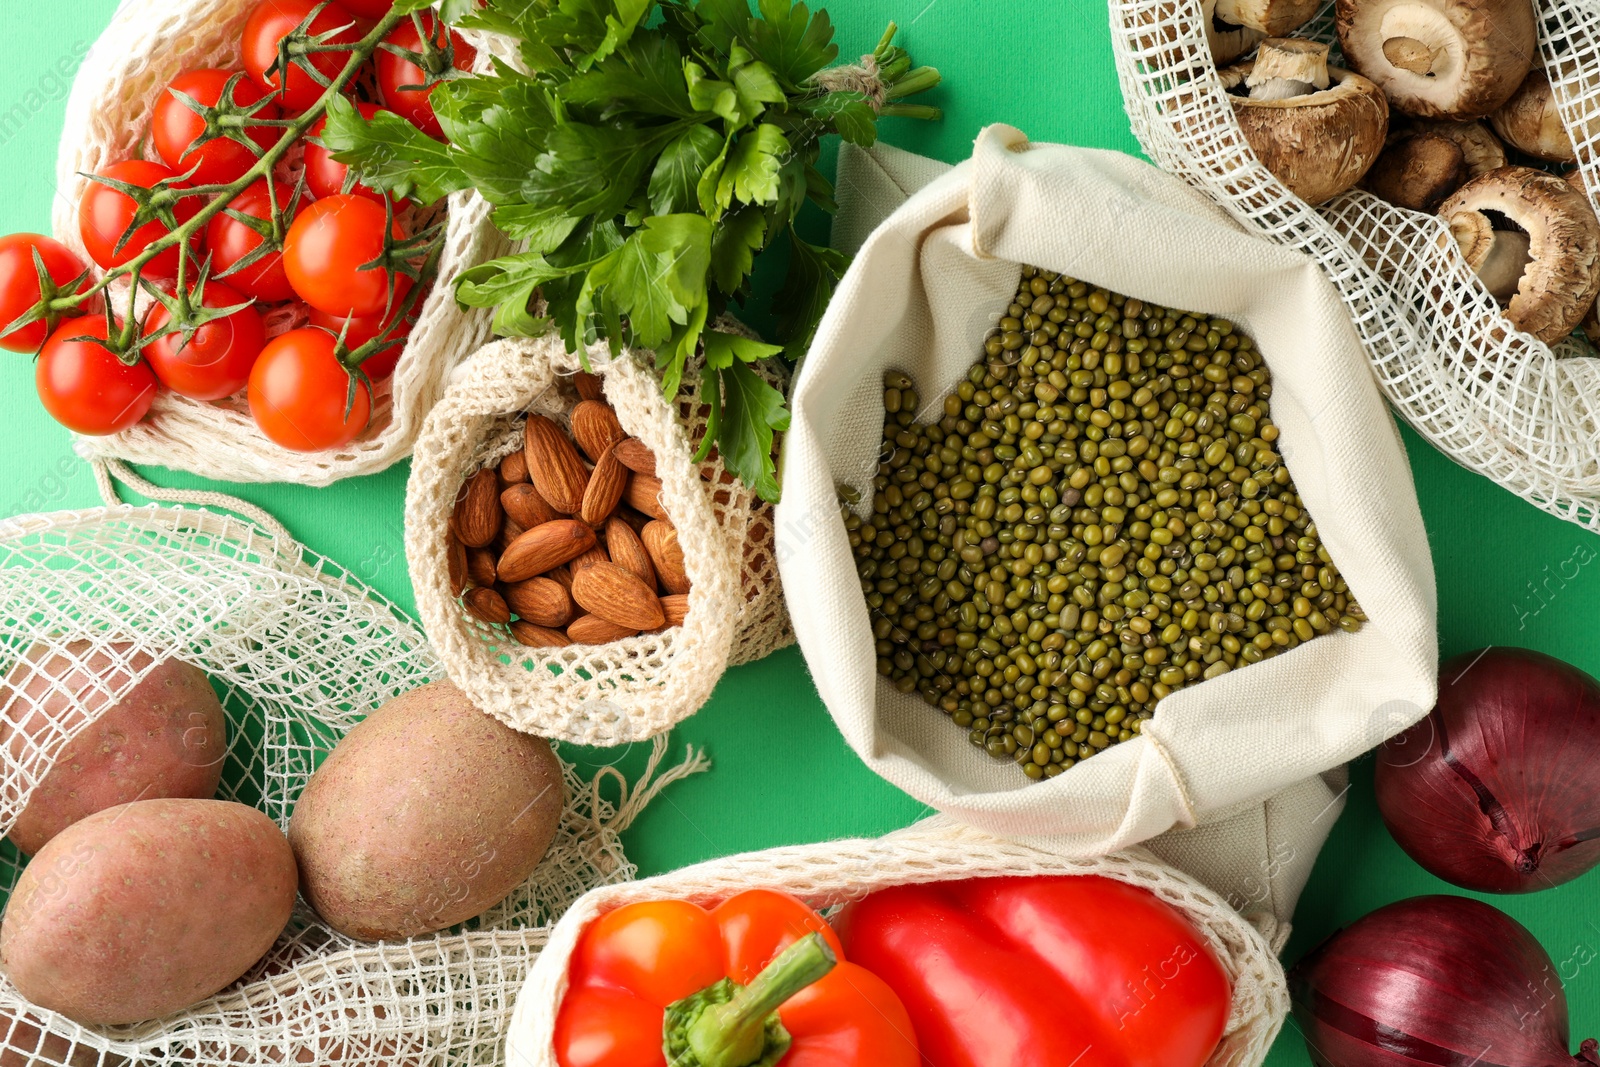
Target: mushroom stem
1502 269
1408 53
1287 67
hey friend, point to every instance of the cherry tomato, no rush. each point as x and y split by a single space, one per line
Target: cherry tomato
326 249
395 72
368 9
230 240
19 284
298 391
325 176
174 127
358 331
105 214
216 360
84 386
269 23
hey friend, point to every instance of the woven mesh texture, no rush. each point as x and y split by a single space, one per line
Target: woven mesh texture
940 849
1497 401
298 653
147 44
640 686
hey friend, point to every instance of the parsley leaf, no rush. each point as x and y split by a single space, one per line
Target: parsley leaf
806 290
751 411
734 244
676 177
751 171
792 41
390 153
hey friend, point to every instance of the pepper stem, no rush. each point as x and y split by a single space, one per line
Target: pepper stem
734 1034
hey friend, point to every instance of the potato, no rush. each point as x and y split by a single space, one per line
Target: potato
146 908
427 813
165 738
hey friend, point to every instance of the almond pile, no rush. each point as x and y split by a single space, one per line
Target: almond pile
568 551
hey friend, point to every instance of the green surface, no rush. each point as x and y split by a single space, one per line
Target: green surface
783 774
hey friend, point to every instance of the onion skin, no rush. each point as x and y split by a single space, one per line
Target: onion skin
1498 789
1440 981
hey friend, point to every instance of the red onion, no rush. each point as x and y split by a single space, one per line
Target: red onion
1436 981
1498 789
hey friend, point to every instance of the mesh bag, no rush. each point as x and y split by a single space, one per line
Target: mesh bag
835 872
639 686
298 652
148 43
1497 401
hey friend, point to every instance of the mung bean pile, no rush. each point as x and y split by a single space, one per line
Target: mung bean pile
1099 518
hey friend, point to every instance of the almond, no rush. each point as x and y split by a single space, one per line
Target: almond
661 541
607 482
636 457
644 493
533 636
554 466
477 515
487 605
481 565
593 630
541 601
455 555
595 428
523 505
627 551
513 470
588 386
596 554
543 547
676 607
617 595
510 530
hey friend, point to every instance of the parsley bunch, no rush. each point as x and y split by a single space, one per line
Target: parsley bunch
648 152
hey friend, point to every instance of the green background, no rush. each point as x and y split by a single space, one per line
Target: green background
782 773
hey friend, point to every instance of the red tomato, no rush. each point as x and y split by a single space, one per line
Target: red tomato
325 176
368 9
326 249
216 360
230 240
174 127
396 73
298 391
84 387
358 331
269 23
105 214
19 284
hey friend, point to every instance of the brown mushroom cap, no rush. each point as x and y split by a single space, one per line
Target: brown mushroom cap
1440 59
1530 122
1228 41
1591 321
1481 150
1490 217
1417 170
1273 18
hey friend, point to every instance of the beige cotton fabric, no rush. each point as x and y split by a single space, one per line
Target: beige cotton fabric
939 849
922 294
148 43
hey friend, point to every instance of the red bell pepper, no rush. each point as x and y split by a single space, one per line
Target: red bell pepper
756 982
1078 971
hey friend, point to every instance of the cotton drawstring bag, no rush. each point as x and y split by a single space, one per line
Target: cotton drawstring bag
147 44
636 687
835 872
921 296
298 652
1497 401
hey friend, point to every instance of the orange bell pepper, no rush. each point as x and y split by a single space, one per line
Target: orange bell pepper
756 982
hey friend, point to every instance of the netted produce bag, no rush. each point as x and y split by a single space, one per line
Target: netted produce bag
1497 400
1201 721
298 652
592 687
833 873
146 45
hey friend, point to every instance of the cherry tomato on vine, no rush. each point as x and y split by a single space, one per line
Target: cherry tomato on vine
230 241
328 246
104 214
84 386
174 128
325 176
19 284
298 392
358 331
400 80
368 9
273 20
215 362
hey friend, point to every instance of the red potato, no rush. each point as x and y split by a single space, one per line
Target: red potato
144 909
166 737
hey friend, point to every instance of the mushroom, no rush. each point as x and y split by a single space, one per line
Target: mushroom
1534 241
1228 40
1273 18
1591 321
1417 170
1317 128
1439 59
1530 122
1481 150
